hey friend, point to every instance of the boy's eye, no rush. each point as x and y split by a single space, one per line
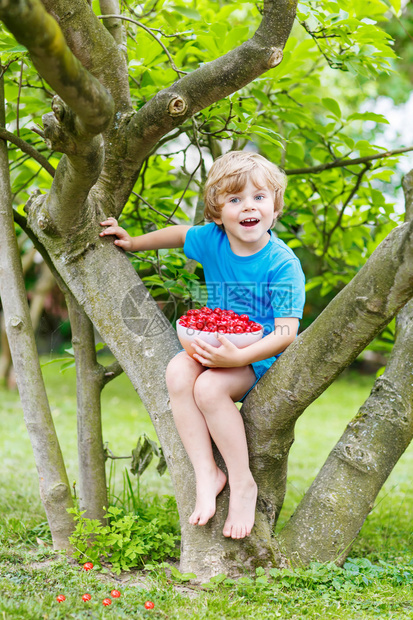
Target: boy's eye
259 197
234 200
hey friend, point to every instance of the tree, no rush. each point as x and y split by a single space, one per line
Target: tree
111 134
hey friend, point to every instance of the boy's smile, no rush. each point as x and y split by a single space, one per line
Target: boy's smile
246 217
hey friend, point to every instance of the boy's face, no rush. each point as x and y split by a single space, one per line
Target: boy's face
246 216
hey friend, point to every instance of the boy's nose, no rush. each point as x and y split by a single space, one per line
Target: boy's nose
248 205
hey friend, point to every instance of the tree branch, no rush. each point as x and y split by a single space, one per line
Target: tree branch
199 89
66 206
342 163
150 32
89 383
39 32
110 9
94 46
27 148
111 372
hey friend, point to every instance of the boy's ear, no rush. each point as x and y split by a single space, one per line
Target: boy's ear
217 221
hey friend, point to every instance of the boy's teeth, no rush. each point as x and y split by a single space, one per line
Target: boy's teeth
251 220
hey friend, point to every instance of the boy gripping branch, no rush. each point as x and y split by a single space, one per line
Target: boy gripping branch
249 270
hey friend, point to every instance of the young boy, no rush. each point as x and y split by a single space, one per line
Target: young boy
249 270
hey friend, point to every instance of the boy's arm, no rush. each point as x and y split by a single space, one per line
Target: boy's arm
170 237
229 356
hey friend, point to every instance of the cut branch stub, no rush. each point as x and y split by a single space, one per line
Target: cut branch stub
64 133
275 57
177 106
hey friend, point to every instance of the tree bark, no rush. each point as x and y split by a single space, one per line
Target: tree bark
114 26
54 486
89 383
7 375
42 288
333 510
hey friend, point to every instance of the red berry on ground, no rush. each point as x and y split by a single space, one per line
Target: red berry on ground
87 566
115 594
86 597
60 598
149 605
106 602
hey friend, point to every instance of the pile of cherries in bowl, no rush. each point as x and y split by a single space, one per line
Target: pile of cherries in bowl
205 322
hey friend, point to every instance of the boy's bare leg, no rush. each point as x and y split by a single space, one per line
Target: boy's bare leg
215 392
181 375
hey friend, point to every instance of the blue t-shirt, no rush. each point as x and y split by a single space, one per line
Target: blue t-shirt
266 285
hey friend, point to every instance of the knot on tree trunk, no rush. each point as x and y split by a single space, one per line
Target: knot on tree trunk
177 106
58 493
65 133
16 322
356 456
275 57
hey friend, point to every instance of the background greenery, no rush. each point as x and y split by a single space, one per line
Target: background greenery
376 582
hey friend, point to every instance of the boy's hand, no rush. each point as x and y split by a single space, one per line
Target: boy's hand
225 356
124 240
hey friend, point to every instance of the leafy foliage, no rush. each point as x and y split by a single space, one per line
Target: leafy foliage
309 114
127 541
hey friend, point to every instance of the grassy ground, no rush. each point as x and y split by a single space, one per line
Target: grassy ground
376 583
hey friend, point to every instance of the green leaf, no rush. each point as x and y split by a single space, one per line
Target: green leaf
191 13
176 574
368 116
67 366
332 105
142 455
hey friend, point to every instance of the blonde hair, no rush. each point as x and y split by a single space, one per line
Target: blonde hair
231 172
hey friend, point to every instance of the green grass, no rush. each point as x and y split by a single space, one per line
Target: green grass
378 584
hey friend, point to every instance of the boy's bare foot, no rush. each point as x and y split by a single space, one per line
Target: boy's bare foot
241 513
206 492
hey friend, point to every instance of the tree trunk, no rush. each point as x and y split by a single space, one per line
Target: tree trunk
42 288
54 486
89 383
7 375
331 514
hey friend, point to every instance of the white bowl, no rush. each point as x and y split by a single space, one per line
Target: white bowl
187 335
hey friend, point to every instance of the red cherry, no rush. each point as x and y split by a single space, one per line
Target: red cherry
256 327
193 312
238 329
115 594
106 602
86 597
217 310
87 566
60 598
149 605
244 317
